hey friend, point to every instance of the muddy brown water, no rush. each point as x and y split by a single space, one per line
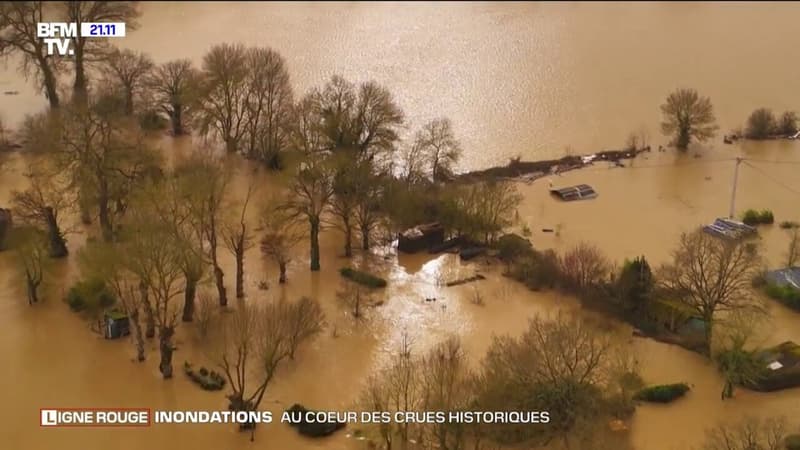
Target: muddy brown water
516 79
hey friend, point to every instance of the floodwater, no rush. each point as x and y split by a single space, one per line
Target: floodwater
516 79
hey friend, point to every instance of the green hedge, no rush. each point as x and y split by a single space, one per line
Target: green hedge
367 279
662 393
90 294
753 217
787 295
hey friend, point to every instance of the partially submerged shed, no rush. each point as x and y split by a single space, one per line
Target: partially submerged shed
578 192
421 237
116 324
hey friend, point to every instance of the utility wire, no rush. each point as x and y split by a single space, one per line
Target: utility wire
769 177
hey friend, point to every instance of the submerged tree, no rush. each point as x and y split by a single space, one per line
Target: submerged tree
237 238
269 107
88 50
263 337
175 88
311 189
128 70
155 258
18 35
223 103
761 124
281 234
31 248
739 366
208 180
793 252
688 116
711 275
42 204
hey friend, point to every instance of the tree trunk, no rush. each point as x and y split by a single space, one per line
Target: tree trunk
365 244
166 348
79 87
708 332
104 214
138 336
240 271
314 244
219 280
128 101
150 320
33 286
282 278
188 299
58 246
177 120
348 238
50 87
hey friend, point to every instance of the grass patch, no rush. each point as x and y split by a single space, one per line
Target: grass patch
754 217
662 393
367 279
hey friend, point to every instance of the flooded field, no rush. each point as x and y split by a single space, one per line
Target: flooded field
516 79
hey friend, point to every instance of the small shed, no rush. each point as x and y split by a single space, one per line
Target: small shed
421 237
116 324
578 192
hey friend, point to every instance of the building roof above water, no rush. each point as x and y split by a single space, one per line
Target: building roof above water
577 192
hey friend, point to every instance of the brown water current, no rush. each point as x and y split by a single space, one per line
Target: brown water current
516 79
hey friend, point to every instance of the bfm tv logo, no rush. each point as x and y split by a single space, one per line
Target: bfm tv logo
94 417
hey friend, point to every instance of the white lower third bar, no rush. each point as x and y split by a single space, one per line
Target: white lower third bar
103 29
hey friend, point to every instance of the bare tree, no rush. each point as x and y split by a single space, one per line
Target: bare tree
343 202
751 433
265 336
223 105
42 204
175 87
269 106
238 239
209 179
560 365
18 35
104 159
305 320
90 50
687 115
281 234
711 275
155 258
442 149
30 247
355 296
362 119
584 265
128 70
739 366
413 163
311 189
445 386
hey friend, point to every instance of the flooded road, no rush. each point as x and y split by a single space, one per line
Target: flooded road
516 79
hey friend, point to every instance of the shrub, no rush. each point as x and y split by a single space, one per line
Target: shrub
753 217
635 284
786 294
761 124
792 442
511 247
788 123
789 224
367 279
537 270
662 393
583 266
90 295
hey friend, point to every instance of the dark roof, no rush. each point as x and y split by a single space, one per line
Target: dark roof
579 192
785 277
